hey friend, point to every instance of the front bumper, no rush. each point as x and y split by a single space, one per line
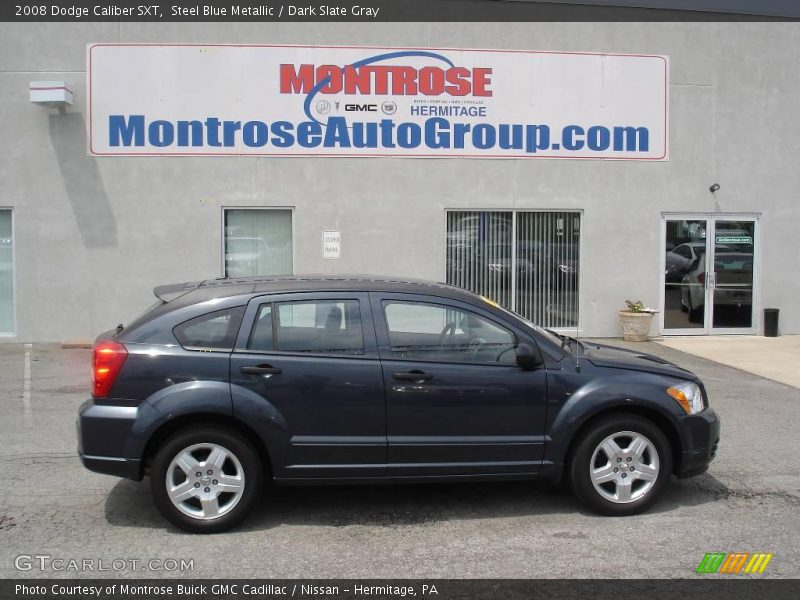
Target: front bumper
103 433
701 439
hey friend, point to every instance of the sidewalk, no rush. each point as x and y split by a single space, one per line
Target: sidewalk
774 358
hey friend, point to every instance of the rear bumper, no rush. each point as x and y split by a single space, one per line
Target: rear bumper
702 434
129 468
103 434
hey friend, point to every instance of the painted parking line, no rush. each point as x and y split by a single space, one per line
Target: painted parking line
26 385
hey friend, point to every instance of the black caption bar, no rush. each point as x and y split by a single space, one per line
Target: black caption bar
374 10
710 588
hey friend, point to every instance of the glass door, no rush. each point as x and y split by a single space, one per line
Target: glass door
684 304
708 275
730 281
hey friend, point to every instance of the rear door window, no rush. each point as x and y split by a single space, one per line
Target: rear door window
318 326
262 336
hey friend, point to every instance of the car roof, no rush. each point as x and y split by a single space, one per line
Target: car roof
199 291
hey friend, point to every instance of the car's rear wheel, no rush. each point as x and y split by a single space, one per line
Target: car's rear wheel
206 480
621 465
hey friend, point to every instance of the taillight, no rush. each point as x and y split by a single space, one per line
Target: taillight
701 277
107 360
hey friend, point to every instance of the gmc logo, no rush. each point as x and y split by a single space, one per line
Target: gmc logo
361 108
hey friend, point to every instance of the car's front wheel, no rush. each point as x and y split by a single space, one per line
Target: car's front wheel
621 465
206 480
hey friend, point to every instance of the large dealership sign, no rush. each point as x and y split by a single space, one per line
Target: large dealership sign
194 99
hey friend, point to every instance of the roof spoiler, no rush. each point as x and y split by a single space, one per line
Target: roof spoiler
167 293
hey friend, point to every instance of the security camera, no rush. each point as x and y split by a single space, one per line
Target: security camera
714 187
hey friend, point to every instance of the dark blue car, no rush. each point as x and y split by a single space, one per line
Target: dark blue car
225 383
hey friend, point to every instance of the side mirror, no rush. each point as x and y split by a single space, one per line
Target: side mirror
528 357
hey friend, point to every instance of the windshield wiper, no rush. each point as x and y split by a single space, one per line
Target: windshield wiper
565 339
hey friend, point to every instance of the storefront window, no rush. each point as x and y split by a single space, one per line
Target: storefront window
526 261
258 242
6 274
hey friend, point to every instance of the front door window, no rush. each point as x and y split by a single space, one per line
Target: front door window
437 332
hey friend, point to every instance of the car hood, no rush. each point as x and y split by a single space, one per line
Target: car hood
621 358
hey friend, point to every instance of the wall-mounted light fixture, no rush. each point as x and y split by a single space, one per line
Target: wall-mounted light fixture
53 94
714 187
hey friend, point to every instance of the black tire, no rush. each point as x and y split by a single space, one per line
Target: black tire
580 465
236 445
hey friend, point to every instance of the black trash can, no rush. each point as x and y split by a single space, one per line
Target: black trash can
771 322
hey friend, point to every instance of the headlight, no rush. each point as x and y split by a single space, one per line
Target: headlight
688 395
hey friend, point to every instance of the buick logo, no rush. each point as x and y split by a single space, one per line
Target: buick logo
323 107
388 107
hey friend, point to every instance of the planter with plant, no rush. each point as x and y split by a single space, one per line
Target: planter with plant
636 321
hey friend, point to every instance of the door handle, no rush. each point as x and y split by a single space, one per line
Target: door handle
261 370
414 375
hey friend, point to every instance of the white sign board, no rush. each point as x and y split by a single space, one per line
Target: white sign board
194 99
331 244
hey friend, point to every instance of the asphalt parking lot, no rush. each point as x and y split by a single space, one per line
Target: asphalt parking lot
51 506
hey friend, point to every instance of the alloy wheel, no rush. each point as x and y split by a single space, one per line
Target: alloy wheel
624 467
205 481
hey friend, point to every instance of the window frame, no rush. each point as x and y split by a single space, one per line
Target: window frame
384 340
275 310
223 210
273 327
14 324
254 306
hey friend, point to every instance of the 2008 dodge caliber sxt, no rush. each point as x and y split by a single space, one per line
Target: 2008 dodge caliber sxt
225 383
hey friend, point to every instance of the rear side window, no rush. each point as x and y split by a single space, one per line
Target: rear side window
213 331
317 326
